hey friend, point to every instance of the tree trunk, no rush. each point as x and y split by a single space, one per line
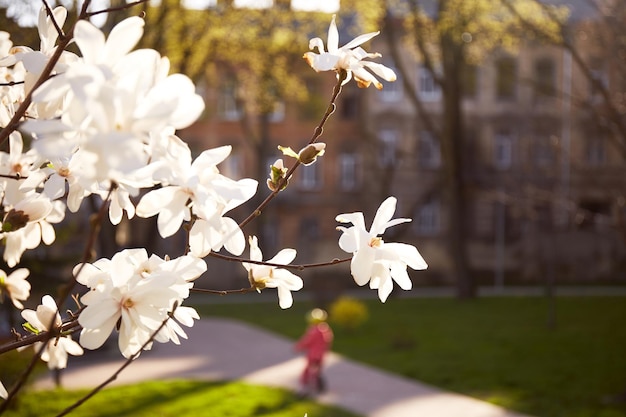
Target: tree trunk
452 149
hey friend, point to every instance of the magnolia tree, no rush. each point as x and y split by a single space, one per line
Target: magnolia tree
103 123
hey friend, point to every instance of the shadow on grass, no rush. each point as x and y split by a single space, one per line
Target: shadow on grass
175 398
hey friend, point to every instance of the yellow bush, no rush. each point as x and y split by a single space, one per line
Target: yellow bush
348 313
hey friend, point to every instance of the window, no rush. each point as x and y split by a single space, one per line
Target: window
349 105
392 92
506 79
348 171
428 218
427 86
600 77
503 150
389 140
278 114
309 229
543 150
310 176
228 103
595 152
545 78
429 151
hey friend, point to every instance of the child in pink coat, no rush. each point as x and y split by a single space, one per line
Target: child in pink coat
316 342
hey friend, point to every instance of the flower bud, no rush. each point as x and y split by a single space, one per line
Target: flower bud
309 154
277 174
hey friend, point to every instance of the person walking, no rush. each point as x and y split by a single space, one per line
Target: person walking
315 342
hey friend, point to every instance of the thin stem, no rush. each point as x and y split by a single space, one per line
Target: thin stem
316 135
299 267
95 228
222 292
118 8
54 59
70 326
54 21
11 83
114 376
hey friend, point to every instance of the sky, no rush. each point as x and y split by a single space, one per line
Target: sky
328 6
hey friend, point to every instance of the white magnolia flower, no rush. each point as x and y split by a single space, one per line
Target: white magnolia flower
266 276
59 347
3 391
134 292
28 224
15 286
198 186
14 164
349 58
374 260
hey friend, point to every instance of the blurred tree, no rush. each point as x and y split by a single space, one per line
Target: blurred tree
448 37
598 49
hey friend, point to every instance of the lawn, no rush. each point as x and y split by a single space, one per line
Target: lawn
497 349
175 399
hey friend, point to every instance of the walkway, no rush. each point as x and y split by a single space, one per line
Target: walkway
222 349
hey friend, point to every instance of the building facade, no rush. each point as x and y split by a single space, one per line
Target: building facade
545 181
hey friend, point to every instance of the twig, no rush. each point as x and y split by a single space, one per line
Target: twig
54 59
95 228
67 328
222 292
300 267
11 83
114 376
316 135
54 21
118 8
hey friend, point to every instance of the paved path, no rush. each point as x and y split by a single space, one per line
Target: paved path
222 349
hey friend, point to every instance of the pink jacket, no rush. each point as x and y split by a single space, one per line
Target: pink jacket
316 341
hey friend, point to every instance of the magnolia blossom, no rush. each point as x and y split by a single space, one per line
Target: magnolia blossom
267 276
134 293
15 286
58 348
198 187
28 224
3 391
374 260
349 58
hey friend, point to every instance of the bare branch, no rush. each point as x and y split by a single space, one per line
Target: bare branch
300 267
118 8
54 21
316 135
114 376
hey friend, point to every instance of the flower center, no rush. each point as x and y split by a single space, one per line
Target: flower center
64 172
128 303
376 242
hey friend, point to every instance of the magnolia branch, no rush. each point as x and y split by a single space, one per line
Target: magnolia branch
95 229
69 327
118 8
342 75
54 21
114 376
300 267
54 59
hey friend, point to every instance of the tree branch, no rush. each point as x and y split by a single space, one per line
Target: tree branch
316 135
114 376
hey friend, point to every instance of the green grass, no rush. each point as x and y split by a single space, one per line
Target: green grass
497 349
175 399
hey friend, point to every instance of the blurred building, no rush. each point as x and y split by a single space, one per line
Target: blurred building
545 181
